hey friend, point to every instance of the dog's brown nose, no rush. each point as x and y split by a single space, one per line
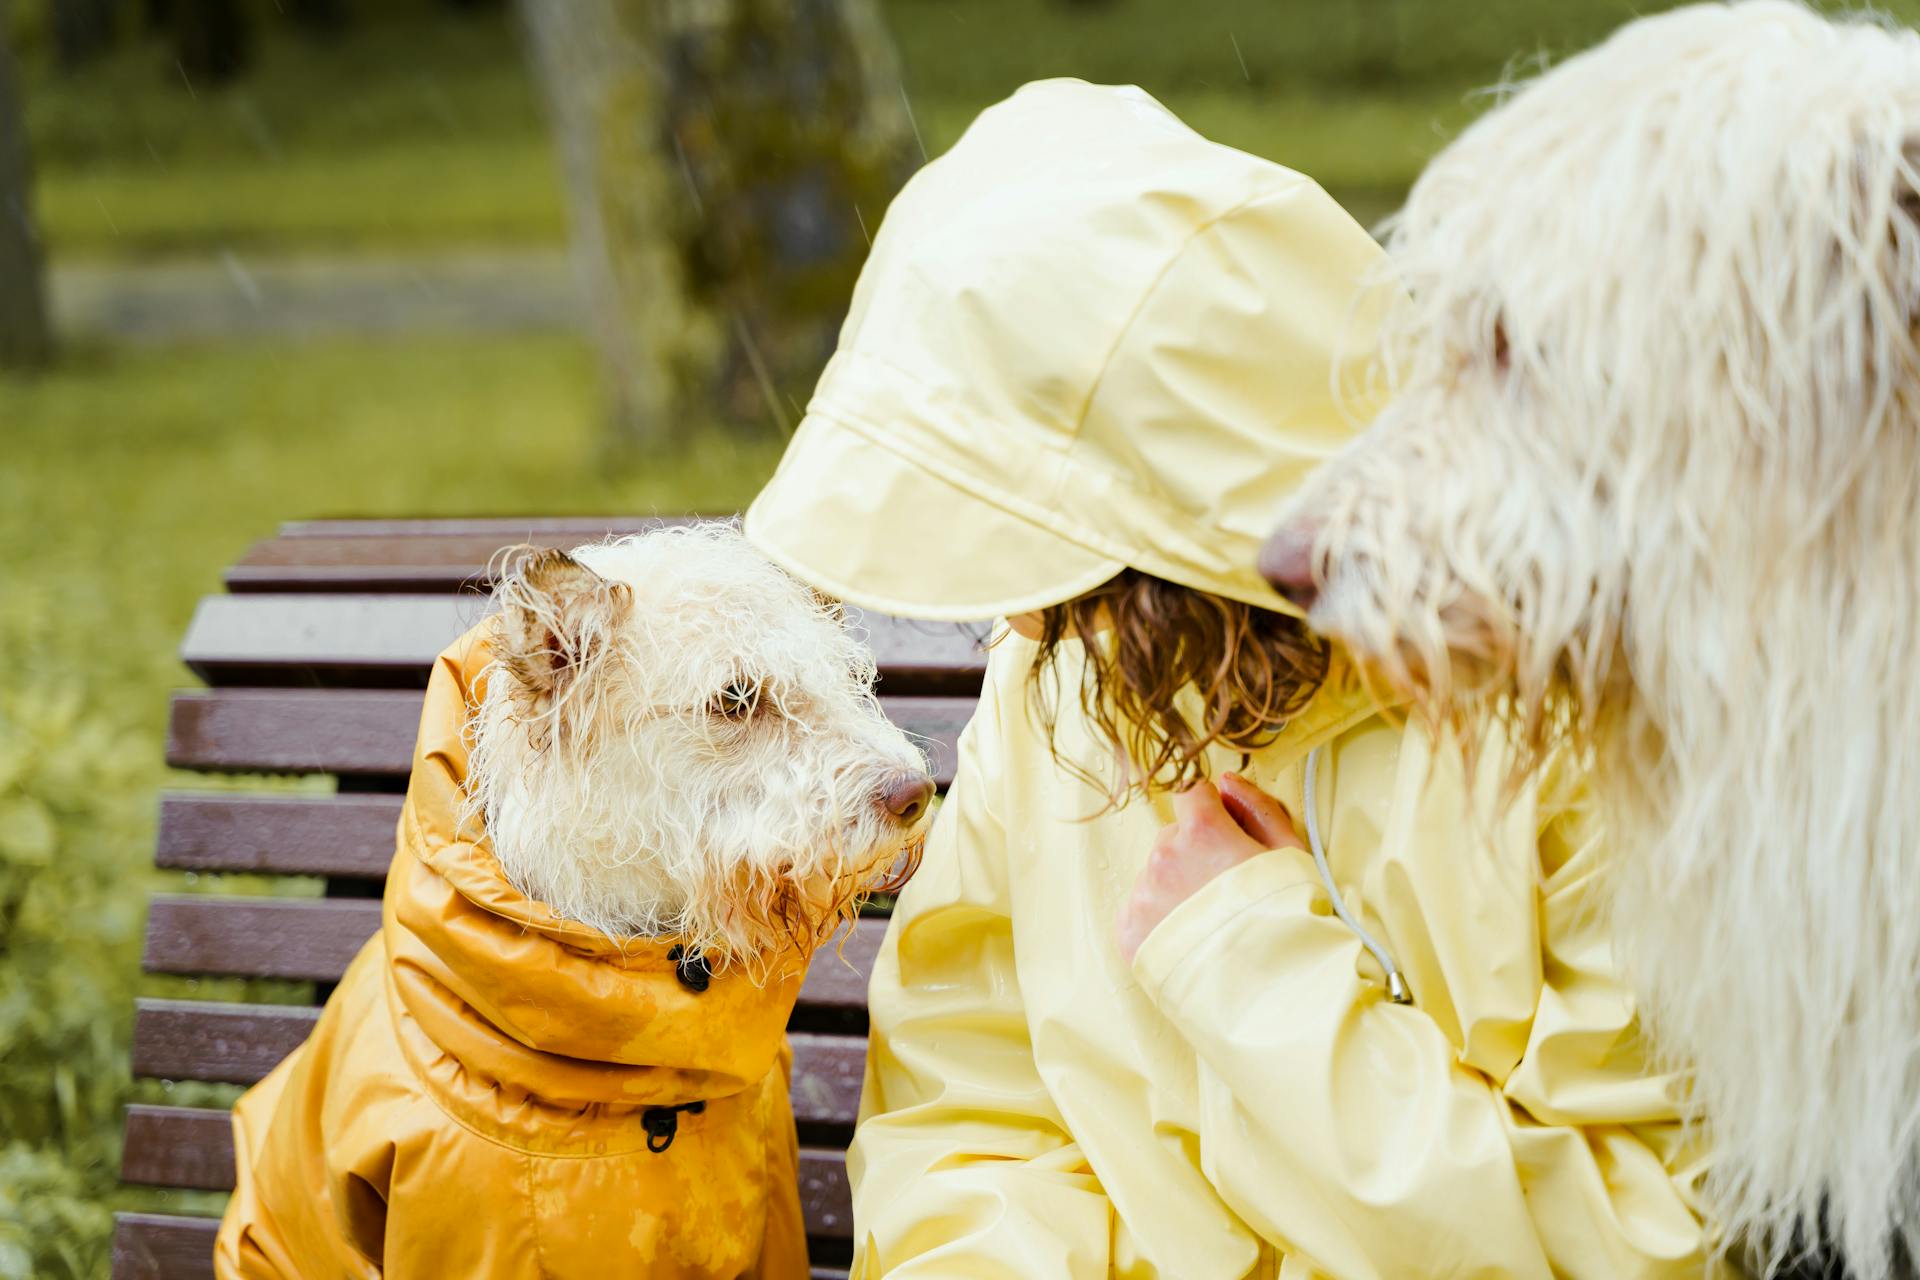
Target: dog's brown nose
906 795
1286 560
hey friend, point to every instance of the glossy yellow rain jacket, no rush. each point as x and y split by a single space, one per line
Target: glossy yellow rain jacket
473 1100
1086 339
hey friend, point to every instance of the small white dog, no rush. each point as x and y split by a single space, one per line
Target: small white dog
1651 480
642 797
688 744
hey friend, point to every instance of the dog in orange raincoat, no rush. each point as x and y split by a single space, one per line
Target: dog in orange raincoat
645 791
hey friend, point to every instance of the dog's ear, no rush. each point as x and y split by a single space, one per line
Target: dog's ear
557 617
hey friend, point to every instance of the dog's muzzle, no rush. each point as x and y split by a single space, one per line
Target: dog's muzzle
1286 561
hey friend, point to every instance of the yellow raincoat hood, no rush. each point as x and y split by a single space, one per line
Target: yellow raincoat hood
1049 312
484 1093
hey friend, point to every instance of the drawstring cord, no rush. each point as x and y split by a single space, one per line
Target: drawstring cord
1396 985
661 1123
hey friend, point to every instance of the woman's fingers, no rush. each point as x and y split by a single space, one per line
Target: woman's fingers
1259 814
1199 803
1214 828
1204 840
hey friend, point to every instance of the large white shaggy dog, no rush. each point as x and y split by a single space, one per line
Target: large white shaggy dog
687 743
1651 481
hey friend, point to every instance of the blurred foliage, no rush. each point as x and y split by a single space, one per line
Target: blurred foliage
418 127
50 1226
73 782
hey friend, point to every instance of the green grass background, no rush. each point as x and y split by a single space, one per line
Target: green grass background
130 477
418 129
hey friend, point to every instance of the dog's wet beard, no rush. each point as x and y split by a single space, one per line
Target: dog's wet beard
800 917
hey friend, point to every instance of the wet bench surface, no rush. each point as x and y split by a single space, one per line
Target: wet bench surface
315 661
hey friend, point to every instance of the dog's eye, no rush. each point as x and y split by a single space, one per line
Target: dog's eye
737 701
1502 351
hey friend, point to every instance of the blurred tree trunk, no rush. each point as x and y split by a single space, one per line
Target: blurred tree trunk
25 338
82 30
723 161
211 39
599 64
1373 41
319 17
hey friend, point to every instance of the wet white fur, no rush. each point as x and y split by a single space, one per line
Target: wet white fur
626 801
1692 503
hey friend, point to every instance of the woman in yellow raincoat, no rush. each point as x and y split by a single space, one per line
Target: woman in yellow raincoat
477 1075
1090 356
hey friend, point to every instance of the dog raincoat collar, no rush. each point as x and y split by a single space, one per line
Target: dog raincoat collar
497 997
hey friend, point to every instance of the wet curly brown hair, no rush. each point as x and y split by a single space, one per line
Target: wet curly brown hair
1153 646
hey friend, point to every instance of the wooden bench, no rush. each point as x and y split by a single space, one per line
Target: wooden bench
314 662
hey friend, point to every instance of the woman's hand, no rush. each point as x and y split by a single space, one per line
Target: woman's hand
1213 830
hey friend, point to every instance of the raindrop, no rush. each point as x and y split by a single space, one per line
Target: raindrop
242 278
686 172
255 123
908 104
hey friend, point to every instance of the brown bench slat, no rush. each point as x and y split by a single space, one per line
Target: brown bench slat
178 1147
353 639
503 529
308 940
314 939
349 731
346 835
203 1040
404 555
239 1043
411 555
371 731
442 566
160 1246
193 1147
828 1074
393 640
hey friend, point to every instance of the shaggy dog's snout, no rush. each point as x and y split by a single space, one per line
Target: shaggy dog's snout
1286 561
906 796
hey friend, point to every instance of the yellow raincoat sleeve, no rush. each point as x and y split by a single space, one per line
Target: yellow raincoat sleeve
961 1164
1504 1125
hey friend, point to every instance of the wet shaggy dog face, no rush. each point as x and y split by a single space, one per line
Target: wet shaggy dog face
678 738
1651 479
